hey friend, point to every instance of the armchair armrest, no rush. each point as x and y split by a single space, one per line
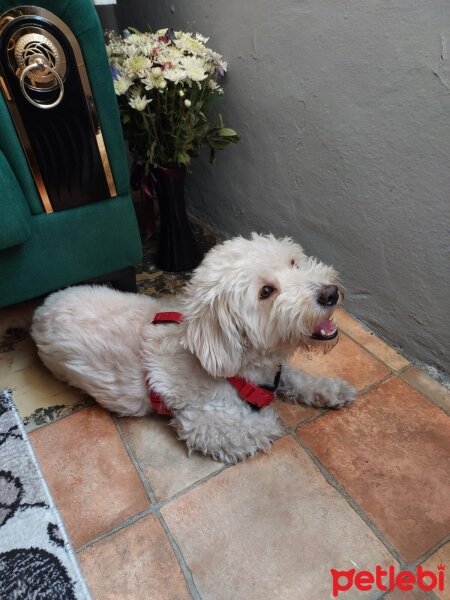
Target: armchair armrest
14 212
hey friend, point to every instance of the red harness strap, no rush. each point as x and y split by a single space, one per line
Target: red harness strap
167 317
253 394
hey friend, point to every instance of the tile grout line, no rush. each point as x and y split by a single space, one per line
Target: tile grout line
133 458
155 509
192 486
189 579
343 492
125 523
428 595
310 419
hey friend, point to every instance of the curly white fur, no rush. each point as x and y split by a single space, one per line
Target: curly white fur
102 341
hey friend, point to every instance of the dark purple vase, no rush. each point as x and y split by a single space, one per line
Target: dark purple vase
177 248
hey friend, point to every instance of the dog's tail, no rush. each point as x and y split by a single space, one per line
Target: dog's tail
18 316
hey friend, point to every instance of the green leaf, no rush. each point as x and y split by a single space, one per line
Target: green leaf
226 132
183 158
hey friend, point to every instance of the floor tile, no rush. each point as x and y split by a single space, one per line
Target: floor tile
39 397
441 557
163 458
35 378
370 340
293 414
90 475
135 563
347 360
391 451
428 386
270 527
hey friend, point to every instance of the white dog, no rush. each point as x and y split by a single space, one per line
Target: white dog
247 308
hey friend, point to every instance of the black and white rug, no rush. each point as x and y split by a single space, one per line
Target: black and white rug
37 561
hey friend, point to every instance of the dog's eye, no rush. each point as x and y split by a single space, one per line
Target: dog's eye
294 263
266 291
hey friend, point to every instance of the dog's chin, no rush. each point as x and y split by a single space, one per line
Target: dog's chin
322 346
323 338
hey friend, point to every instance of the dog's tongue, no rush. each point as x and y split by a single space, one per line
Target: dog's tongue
325 329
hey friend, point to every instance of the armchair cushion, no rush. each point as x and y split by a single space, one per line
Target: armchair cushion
14 213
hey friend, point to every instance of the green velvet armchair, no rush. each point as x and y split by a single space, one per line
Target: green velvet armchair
42 252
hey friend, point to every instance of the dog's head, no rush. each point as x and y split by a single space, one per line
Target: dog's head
260 296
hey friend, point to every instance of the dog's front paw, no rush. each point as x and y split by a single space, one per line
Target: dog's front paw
332 393
227 437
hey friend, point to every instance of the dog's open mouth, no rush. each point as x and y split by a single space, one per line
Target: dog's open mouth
325 330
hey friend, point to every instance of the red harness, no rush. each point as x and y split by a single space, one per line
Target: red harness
257 396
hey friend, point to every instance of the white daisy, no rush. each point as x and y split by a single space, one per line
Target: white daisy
136 65
195 68
139 102
121 84
175 75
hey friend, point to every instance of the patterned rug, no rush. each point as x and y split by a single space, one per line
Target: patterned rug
36 559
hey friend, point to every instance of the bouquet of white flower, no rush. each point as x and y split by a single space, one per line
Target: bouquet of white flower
165 82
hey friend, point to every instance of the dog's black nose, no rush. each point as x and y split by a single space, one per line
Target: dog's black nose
328 296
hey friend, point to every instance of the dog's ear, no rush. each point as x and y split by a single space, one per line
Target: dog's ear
213 335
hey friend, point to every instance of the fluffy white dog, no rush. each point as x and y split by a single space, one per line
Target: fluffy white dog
247 308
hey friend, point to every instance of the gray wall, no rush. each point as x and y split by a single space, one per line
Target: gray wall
344 111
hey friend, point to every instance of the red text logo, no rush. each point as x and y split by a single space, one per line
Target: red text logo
388 580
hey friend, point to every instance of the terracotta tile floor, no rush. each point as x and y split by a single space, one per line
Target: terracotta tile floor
365 486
